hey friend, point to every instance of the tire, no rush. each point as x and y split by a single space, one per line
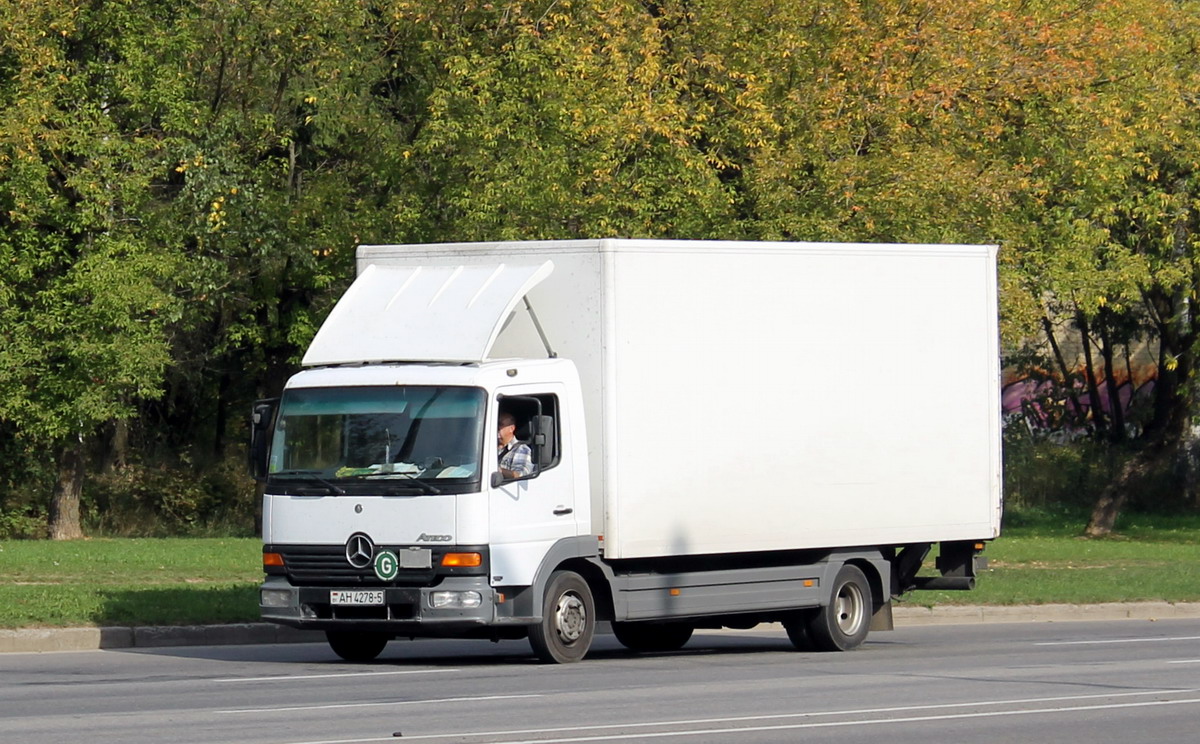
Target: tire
568 620
842 625
356 646
652 636
797 629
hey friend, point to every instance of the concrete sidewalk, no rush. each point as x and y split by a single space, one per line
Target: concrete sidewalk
89 639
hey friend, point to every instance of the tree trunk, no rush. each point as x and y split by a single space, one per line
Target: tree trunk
1189 448
1163 445
224 382
1095 406
1067 377
65 523
1116 412
116 451
1170 432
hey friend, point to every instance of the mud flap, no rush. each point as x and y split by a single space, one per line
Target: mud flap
882 618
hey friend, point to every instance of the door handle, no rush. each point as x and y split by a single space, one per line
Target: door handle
563 511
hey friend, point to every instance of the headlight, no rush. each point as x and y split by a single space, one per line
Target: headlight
460 600
275 598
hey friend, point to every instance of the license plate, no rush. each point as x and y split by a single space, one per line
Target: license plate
371 597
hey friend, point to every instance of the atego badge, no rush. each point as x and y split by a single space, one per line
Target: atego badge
386 565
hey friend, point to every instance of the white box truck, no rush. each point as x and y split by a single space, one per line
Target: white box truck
709 434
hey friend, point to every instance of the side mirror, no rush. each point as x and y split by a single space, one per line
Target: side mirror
262 423
543 441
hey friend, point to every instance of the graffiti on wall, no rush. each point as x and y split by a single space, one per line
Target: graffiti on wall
1045 405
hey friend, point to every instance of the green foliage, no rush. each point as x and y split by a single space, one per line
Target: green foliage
138 500
87 290
182 184
576 120
1044 475
28 524
24 478
1046 482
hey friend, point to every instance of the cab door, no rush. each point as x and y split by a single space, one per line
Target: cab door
530 514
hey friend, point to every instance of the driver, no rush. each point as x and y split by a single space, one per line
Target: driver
516 459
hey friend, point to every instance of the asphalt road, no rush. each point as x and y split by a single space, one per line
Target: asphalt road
1125 681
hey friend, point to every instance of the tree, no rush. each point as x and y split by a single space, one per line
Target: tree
182 184
85 291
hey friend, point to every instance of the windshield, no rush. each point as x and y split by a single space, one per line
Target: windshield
431 436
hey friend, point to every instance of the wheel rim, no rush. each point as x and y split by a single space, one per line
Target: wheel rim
850 610
570 618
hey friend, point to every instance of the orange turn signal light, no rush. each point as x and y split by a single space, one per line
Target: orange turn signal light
462 560
273 559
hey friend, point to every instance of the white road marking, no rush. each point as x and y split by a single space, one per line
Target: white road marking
1116 640
834 724
346 675
1185 661
784 716
330 706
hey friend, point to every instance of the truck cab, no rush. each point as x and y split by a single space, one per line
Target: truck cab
385 512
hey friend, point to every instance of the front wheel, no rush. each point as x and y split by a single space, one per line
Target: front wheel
842 625
355 646
568 620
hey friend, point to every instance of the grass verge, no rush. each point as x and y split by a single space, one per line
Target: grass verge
195 581
129 582
1044 561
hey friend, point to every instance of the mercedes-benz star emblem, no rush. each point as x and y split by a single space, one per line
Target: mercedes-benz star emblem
359 550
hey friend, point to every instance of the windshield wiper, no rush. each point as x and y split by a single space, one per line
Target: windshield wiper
425 486
310 476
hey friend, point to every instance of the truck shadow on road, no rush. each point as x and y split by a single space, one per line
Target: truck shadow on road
473 653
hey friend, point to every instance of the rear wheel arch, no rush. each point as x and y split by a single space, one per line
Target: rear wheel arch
879 594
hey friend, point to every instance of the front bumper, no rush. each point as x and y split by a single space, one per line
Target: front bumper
405 611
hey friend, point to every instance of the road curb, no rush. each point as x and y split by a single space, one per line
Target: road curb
92 639
1047 613
41 640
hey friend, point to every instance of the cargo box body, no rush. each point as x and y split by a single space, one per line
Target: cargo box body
745 396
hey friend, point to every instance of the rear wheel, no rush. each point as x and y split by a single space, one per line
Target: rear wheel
842 625
652 636
568 620
796 626
356 646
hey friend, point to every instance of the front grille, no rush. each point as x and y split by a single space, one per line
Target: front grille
322 564
326 565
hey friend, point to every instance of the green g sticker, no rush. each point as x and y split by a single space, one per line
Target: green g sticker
386 565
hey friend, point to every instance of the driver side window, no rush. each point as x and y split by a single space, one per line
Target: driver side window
528 439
